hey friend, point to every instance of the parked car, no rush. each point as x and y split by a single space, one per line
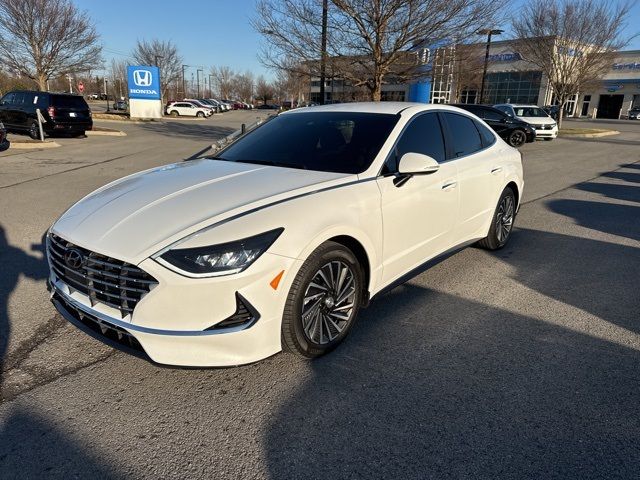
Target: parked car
201 104
218 105
228 260
62 112
188 109
120 105
513 131
634 113
546 127
553 111
267 106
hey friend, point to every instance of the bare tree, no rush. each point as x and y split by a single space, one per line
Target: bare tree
573 42
41 39
223 80
244 83
367 40
264 90
163 54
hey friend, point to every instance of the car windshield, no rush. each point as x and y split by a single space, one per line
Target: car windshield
530 112
340 142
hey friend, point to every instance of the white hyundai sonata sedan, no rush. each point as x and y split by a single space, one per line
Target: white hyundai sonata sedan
277 241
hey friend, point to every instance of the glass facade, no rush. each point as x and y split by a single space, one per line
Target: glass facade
512 87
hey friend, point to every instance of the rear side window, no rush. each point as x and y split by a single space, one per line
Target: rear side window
422 135
465 138
487 137
69 101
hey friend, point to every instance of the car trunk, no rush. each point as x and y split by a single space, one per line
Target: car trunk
69 109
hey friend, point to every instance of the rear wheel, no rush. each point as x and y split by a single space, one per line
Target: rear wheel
174 113
502 222
517 138
323 301
34 131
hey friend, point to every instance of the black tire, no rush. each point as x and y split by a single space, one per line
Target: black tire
497 237
174 113
80 134
200 114
295 338
34 130
517 138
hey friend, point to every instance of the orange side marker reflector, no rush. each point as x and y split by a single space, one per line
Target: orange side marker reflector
276 280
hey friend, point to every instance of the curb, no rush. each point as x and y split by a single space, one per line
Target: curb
107 133
32 145
590 135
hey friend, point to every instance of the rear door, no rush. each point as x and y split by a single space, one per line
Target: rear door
70 109
18 113
477 173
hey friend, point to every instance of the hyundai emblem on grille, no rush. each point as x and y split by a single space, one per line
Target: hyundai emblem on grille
73 258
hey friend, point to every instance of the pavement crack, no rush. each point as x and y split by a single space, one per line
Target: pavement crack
14 359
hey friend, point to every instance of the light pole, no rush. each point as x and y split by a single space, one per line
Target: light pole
488 32
210 85
184 83
323 50
106 90
198 79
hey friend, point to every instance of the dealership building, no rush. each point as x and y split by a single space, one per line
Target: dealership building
510 79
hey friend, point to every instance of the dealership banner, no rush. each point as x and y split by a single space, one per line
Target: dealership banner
143 82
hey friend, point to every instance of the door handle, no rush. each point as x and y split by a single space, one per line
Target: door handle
495 170
449 186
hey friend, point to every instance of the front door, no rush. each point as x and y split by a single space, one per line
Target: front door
419 214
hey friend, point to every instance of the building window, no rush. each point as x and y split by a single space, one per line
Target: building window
469 96
513 87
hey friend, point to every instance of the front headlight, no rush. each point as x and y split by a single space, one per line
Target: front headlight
553 125
222 259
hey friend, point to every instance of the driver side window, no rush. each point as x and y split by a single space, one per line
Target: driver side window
423 135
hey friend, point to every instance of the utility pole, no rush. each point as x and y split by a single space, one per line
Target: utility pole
198 79
488 32
210 85
184 83
323 50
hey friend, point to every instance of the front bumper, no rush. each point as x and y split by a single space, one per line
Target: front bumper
547 133
172 324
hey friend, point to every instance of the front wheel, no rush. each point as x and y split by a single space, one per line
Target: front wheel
200 114
517 138
501 222
323 301
34 131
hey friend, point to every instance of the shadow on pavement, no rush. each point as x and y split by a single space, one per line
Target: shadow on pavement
431 385
194 129
625 176
15 263
19 459
622 220
628 193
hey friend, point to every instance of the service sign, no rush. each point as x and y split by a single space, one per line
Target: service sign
144 82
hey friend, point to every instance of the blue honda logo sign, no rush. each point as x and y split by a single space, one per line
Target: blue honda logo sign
144 82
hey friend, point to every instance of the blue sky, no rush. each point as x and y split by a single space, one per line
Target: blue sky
207 32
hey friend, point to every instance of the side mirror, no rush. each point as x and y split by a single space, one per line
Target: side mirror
417 164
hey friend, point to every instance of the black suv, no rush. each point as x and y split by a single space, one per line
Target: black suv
515 132
63 113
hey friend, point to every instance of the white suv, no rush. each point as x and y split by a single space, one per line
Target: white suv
188 109
545 126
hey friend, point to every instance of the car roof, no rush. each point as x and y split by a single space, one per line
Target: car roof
392 108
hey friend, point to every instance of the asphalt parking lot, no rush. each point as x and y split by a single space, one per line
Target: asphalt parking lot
524 363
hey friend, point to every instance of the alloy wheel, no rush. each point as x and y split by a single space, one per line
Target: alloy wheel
504 218
328 304
518 138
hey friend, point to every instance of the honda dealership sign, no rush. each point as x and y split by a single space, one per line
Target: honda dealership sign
144 91
144 82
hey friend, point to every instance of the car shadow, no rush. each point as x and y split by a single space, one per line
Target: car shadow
624 176
16 263
616 219
431 385
24 432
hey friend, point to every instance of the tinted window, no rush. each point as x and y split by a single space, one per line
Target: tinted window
69 101
464 135
486 135
422 135
342 142
8 98
29 99
493 115
18 99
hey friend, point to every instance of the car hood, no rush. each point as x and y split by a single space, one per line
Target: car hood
134 217
538 120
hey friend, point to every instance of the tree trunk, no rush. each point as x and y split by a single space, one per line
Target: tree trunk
561 102
42 82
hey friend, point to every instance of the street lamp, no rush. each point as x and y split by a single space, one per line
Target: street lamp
184 83
198 79
488 32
